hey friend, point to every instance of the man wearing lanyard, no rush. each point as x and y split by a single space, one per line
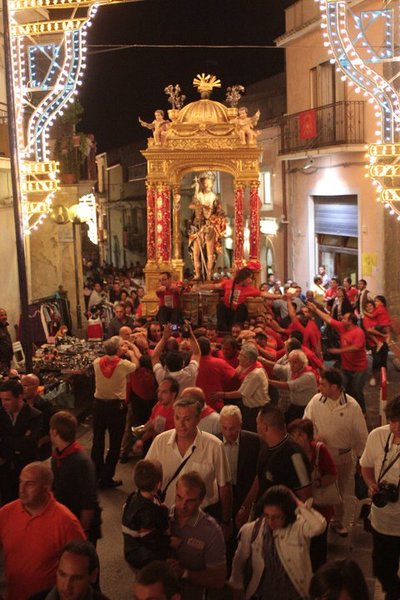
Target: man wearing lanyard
380 467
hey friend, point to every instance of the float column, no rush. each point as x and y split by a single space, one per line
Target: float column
255 207
176 235
239 226
151 223
163 223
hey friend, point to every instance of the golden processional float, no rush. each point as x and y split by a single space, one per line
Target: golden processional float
202 137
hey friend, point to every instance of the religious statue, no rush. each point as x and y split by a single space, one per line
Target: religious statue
207 226
245 126
159 126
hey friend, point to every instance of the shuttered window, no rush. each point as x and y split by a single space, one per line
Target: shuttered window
336 215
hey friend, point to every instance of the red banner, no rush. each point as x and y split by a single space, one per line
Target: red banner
308 124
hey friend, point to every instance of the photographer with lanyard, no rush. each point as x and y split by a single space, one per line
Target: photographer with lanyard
380 467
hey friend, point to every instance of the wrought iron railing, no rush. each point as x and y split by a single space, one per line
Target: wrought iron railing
3 113
335 124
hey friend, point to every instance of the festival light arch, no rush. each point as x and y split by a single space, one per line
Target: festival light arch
48 60
372 70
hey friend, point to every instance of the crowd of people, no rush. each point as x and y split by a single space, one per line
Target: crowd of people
243 437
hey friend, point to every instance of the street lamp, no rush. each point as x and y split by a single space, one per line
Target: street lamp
76 214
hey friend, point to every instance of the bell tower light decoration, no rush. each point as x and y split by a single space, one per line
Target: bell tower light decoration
370 68
48 59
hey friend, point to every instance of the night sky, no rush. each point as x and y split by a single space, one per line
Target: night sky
123 84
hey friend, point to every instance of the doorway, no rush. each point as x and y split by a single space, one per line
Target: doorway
336 231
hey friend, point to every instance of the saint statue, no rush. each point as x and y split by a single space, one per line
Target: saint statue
207 226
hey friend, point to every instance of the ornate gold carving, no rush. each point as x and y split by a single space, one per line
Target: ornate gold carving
203 135
206 83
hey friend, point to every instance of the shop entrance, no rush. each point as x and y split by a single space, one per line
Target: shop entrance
336 231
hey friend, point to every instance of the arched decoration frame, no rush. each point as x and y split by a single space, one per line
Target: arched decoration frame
199 142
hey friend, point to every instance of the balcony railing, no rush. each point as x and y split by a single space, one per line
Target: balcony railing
336 124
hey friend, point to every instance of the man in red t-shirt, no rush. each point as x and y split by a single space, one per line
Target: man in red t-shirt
352 352
168 293
33 531
229 351
214 375
162 415
302 321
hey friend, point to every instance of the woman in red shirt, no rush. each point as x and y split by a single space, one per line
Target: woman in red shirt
377 324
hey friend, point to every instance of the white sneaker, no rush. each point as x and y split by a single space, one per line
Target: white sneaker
372 382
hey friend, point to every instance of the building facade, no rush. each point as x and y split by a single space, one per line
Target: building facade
333 216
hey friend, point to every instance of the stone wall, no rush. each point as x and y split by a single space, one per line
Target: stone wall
52 256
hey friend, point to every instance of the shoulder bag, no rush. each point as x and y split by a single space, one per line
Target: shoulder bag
327 495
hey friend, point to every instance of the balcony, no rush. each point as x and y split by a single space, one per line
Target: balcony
341 123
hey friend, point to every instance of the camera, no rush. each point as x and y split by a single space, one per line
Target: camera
388 492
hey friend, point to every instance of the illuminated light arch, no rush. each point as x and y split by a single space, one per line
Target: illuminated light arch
48 60
347 35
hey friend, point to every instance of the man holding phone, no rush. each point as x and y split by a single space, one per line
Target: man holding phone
174 361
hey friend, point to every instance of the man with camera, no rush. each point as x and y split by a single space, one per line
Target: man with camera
380 467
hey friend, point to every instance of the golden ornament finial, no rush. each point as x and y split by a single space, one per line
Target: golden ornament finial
206 83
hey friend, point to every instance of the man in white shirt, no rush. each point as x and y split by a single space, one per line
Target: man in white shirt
339 423
209 418
109 411
174 361
253 391
199 451
301 383
380 462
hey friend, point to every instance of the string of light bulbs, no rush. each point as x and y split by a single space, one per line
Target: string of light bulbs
345 36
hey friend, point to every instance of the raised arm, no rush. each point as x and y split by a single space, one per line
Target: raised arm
291 308
324 316
155 357
194 344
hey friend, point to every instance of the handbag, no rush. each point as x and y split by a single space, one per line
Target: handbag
327 495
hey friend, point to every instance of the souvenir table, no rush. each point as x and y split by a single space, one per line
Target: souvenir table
66 372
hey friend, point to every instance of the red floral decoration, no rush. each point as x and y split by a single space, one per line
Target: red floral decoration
151 225
239 224
254 265
255 205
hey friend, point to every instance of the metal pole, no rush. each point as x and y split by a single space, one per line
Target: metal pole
17 197
78 302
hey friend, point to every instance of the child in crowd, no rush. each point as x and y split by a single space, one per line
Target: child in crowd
144 519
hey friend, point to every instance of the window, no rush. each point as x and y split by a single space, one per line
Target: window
270 259
326 86
266 190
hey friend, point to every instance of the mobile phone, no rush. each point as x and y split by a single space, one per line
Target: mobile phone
174 327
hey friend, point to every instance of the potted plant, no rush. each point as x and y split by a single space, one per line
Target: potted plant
70 146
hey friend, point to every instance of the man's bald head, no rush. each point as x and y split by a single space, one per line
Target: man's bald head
30 383
125 333
196 393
